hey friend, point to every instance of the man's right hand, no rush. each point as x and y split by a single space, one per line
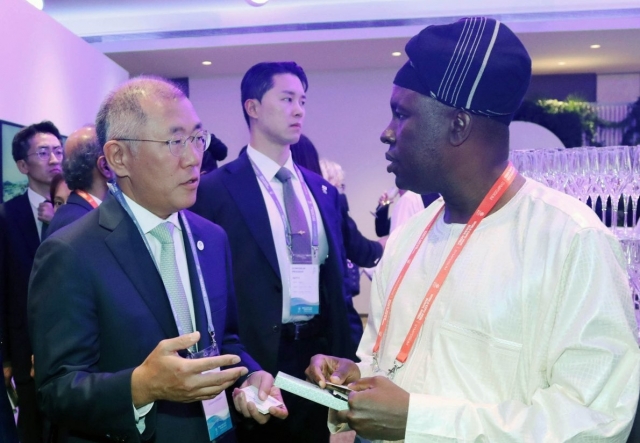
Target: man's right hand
45 211
164 375
340 371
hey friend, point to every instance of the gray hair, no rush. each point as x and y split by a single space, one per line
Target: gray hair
332 172
121 114
78 166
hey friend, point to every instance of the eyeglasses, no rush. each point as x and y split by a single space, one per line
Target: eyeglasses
45 154
177 145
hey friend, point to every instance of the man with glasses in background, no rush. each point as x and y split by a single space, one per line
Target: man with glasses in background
120 297
37 151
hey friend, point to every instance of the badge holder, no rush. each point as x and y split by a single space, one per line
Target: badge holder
216 410
304 283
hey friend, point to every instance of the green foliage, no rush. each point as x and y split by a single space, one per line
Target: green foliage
567 126
574 120
588 117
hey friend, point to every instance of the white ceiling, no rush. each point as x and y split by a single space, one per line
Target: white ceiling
171 38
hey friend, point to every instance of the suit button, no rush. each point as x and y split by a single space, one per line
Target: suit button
276 328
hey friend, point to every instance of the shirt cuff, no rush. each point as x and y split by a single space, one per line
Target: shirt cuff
139 414
335 427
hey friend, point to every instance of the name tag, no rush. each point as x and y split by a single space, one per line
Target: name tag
217 414
304 283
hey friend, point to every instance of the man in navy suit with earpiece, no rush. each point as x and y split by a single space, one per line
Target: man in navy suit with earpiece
284 229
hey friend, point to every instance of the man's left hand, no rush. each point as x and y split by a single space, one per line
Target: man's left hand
378 410
264 382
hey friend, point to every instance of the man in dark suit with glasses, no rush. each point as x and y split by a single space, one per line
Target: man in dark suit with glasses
38 153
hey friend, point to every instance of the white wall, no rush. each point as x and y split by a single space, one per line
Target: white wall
346 113
47 72
618 88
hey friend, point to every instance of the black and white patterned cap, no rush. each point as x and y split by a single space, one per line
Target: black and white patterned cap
477 64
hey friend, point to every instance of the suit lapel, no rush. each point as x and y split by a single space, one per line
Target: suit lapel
27 224
242 184
196 292
129 249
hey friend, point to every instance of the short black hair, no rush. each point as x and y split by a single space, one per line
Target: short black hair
20 143
259 79
305 154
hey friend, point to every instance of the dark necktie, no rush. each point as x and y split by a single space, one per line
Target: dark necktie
298 226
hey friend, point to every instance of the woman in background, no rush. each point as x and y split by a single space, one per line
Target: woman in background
360 250
58 191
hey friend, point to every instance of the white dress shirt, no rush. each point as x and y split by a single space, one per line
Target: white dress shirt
35 200
269 169
96 199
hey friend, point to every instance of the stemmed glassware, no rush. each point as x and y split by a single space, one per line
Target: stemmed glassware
580 173
632 189
590 173
607 173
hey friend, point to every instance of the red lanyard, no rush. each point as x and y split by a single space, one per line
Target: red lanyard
489 201
87 197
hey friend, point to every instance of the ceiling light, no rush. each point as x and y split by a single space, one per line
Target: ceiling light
562 63
257 2
594 46
396 54
37 3
206 62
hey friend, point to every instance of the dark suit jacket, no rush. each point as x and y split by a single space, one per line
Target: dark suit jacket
21 242
98 307
66 214
230 196
8 433
360 250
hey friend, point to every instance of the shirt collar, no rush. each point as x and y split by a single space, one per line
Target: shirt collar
148 220
34 198
268 167
97 200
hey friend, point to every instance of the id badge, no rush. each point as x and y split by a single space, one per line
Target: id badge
304 281
217 414
216 410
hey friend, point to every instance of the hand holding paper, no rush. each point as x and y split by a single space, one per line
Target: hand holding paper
259 399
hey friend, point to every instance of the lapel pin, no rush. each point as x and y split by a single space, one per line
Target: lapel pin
200 245
324 189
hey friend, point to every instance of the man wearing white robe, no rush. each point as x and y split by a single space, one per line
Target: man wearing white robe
531 337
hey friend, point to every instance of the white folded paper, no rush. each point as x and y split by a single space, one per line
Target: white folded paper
251 395
309 391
